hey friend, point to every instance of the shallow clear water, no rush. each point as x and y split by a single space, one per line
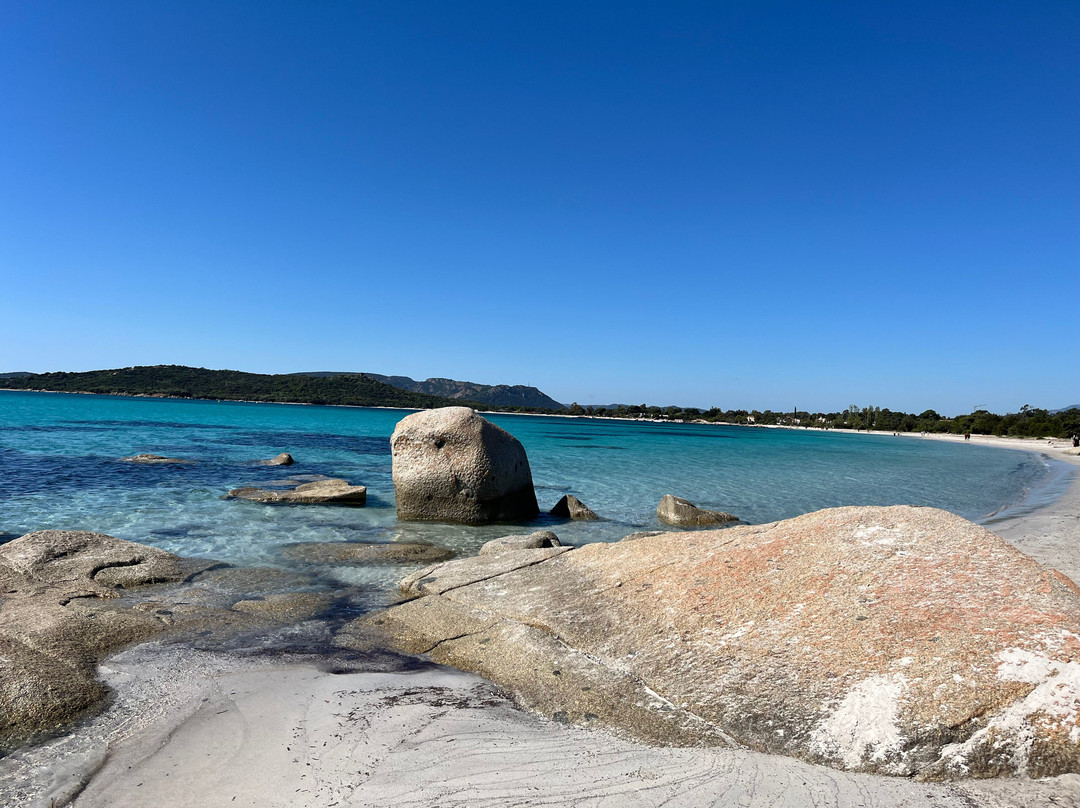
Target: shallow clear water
60 468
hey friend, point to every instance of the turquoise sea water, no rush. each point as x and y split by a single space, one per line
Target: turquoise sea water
60 468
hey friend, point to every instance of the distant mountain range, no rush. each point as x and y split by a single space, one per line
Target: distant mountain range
497 395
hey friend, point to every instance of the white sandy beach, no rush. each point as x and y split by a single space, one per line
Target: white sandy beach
193 728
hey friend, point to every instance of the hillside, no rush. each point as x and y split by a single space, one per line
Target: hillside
178 381
495 395
499 395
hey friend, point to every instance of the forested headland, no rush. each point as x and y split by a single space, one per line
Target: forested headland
178 381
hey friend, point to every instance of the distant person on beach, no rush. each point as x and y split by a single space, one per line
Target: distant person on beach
1076 441
967 436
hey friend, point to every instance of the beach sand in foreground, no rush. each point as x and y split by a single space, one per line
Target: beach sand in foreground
195 728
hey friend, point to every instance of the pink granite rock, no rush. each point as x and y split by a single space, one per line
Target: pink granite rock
897 640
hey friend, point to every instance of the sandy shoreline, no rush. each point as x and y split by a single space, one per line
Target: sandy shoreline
1049 533
234 732
199 728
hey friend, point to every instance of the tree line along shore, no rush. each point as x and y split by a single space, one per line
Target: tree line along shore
362 390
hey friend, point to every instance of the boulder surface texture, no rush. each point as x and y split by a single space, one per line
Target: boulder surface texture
899 640
682 513
452 465
319 492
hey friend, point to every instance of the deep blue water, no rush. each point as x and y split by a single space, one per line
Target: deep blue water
60 468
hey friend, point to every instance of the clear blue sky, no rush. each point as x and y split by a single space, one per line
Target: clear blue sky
762 204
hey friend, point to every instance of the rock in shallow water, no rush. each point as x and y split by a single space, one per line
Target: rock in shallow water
897 640
570 507
319 492
682 513
452 465
153 458
529 541
283 459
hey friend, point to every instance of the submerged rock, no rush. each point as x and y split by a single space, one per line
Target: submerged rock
904 641
153 458
682 513
286 606
529 541
353 552
643 534
570 507
319 492
452 465
245 581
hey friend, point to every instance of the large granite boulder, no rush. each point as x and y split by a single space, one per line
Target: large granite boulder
318 492
683 513
570 507
900 640
452 465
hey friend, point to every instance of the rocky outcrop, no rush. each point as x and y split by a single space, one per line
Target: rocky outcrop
353 552
452 465
570 507
529 541
682 513
318 492
154 459
56 621
69 598
900 640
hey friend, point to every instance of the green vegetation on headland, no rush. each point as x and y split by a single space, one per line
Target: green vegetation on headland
361 390
177 381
